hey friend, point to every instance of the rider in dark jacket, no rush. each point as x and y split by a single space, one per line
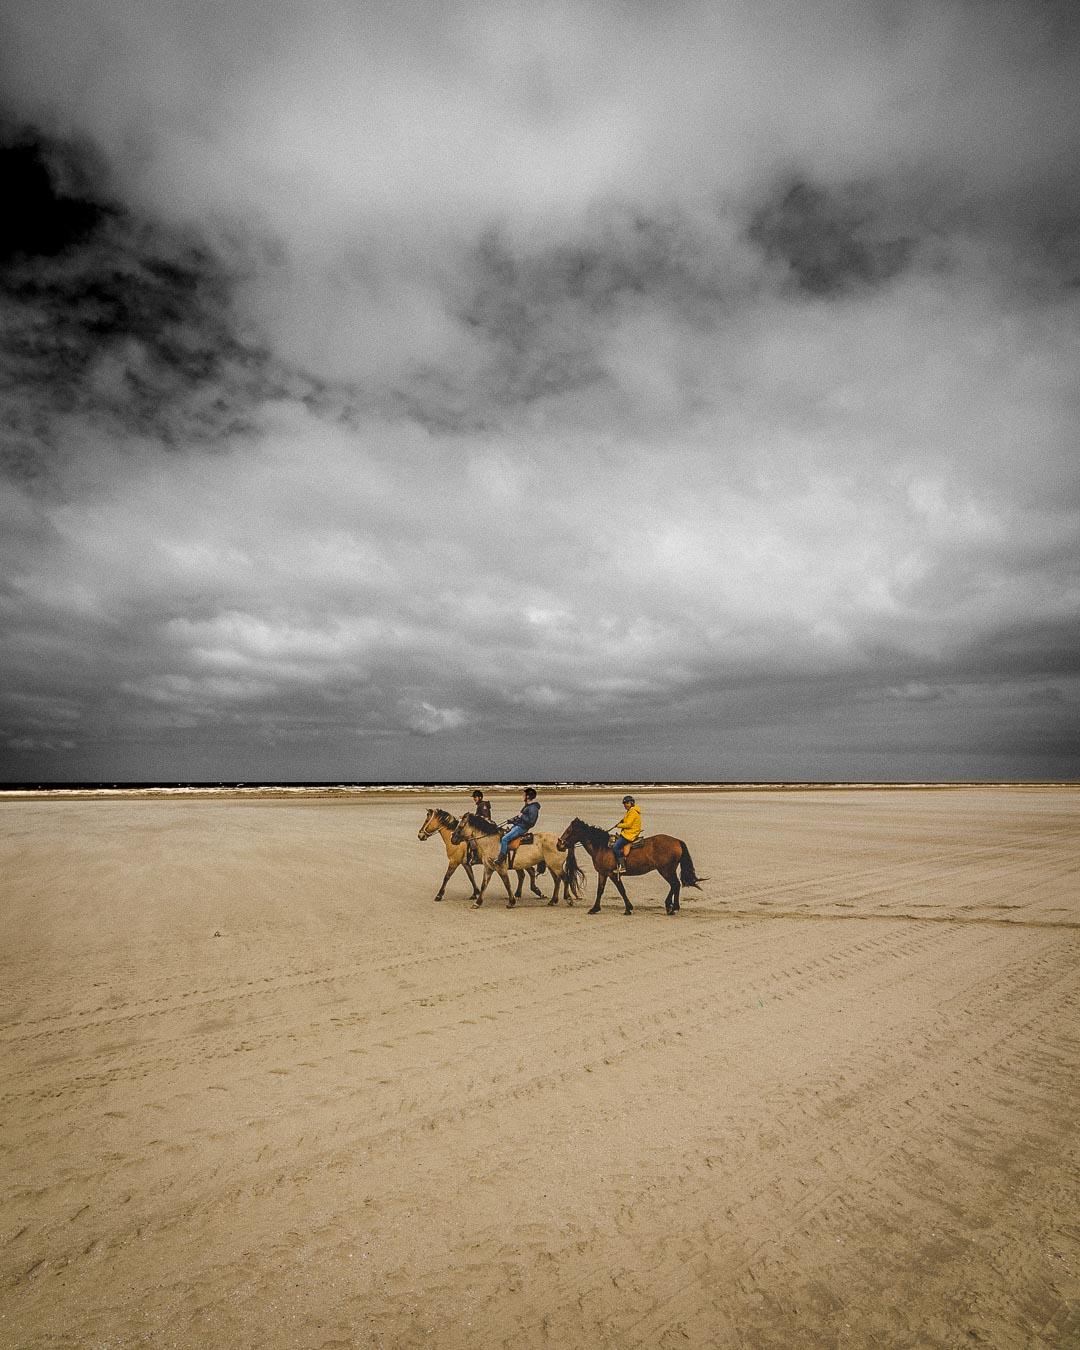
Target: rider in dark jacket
522 823
481 808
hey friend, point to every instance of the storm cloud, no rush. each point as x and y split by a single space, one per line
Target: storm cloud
595 390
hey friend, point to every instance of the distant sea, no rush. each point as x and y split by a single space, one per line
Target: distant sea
333 789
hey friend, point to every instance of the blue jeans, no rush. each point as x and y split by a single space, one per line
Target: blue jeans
617 847
514 832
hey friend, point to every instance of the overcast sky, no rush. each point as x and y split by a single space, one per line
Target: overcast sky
618 389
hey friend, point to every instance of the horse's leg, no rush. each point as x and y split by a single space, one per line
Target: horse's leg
520 883
557 879
532 883
449 873
493 867
504 872
670 874
601 882
472 880
622 891
483 886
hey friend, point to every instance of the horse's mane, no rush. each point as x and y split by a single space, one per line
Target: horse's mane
479 823
445 818
594 834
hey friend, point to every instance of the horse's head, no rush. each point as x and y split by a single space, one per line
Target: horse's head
434 821
570 835
463 829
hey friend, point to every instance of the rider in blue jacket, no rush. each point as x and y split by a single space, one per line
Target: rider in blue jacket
522 823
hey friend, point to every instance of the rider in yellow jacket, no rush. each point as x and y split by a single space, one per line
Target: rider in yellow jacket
627 830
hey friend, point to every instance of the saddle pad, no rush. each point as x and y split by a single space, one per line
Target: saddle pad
521 839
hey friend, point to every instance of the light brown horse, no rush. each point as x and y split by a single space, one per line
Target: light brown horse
543 850
457 855
442 822
655 853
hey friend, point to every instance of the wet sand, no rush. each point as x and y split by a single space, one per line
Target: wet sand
259 1091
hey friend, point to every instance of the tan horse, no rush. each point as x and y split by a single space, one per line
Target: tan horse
544 849
457 855
655 853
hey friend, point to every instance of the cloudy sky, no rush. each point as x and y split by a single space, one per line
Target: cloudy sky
610 389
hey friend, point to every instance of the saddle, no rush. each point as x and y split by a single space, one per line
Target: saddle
521 839
633 844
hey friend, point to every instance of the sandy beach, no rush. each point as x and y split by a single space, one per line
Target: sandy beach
259 1091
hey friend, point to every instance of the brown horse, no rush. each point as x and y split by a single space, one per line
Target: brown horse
544 850
655 853
457 855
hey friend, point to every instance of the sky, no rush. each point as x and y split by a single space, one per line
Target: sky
611 390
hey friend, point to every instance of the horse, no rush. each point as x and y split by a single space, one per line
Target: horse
443 823
655 853
542 851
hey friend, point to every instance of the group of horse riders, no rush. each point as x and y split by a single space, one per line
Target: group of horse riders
517 827
518 846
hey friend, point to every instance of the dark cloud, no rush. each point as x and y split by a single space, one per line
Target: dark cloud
52 205
123 323
830 242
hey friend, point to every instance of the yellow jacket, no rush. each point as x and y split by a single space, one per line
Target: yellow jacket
630 825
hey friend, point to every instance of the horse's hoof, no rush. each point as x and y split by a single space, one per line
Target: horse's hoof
477 904
595 910
552 902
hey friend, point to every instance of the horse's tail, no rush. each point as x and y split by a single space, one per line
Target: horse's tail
687 875
572 873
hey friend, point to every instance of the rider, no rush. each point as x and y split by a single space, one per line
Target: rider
522 823
627 830
482 807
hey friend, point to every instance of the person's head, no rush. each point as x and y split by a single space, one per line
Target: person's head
628 800
477 795
529 794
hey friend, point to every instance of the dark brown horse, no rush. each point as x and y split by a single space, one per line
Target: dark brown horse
655 853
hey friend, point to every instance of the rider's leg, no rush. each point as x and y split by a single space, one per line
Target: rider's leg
514 832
